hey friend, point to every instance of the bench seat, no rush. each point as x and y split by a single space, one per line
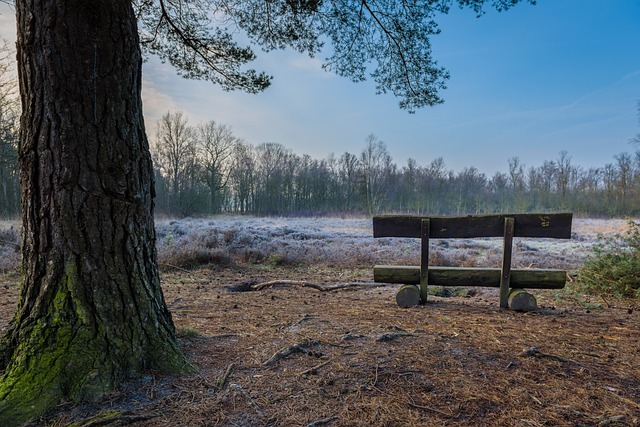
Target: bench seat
476 277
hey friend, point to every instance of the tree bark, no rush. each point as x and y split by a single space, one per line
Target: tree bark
91 311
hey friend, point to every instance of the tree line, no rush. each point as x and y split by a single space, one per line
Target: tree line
205 169
9 125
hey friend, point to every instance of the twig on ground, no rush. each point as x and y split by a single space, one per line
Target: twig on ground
375 379
534 352
222 382
285 352
114 418
392 336
212 337
184 270
239 390
305 318
323 422
221 336
413 404
430 409
314 370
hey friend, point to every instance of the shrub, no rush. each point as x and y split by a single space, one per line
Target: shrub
191 254
614 266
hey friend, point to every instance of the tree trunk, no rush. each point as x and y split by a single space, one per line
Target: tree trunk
91 311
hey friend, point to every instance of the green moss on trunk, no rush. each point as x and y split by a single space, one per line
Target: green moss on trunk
91 311
63 356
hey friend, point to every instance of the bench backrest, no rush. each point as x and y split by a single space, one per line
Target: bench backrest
557 226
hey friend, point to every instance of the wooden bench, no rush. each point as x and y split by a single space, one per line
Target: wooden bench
510 281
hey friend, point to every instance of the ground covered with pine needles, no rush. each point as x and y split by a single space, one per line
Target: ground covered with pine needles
291 355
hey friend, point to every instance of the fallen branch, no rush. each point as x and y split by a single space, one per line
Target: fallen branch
212 337
314 370
251 286
222 382
323 422
175 267
221 336
114 418
534 352
392 336
430 409
285 352
305 318
239 390
413 404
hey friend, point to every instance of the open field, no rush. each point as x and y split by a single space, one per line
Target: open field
295 356
339 242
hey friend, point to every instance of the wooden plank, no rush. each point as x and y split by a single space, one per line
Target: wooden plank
424 260
556 226
529 278
505 270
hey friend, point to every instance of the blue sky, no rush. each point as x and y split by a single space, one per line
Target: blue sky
530 82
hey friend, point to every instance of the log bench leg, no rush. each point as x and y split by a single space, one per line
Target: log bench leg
521 300
505 271
408 296
425 226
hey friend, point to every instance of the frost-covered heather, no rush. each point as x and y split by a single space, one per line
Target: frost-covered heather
266 240
349 242
338 242
9 245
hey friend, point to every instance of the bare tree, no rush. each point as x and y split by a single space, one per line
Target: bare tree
242 178
175 156
636 139
274 175
624 163
376 170
563 175
9 115
216 144
348 179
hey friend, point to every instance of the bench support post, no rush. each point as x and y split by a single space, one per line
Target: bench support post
505 270
424 260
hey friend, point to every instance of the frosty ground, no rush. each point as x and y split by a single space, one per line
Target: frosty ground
349 242
290 355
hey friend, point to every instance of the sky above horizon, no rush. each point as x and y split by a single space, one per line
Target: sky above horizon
529 82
